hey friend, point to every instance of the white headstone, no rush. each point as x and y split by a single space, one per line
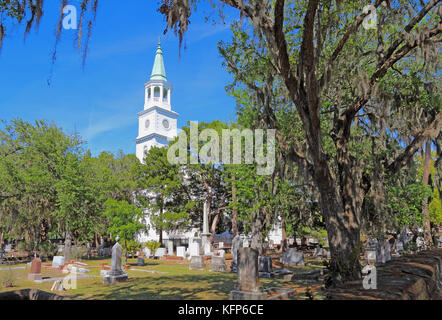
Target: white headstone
194 249
208 249
160 252
170 248
221 253
181 252
147 252
57 261
220 245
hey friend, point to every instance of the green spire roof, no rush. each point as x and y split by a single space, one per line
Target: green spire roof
158 71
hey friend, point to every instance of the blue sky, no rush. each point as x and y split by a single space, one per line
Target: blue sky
101 102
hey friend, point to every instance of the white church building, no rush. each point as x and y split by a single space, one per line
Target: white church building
157 125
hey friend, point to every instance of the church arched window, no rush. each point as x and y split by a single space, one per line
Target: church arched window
164 95
149 95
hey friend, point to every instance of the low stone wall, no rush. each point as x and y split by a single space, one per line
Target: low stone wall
30 294
409 277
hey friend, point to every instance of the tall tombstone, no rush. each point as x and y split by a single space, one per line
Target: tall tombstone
194 249
439 242
383 251
170 248
248 286
35 273
116 273
206 245
237 244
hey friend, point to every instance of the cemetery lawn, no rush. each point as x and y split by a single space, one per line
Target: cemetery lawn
157 280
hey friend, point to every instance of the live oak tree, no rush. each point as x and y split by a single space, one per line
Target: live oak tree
328 62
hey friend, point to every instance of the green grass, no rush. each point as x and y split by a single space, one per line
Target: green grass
177 283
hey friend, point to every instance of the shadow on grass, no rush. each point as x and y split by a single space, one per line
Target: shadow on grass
178 287
174 287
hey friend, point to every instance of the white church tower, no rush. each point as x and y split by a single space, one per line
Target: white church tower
157 123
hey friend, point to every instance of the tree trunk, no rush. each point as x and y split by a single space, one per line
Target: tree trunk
67 246
284 234
425 179
1 239
257 231
213 227
340 209
235 210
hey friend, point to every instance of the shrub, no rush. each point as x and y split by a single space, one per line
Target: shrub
153 245
48 249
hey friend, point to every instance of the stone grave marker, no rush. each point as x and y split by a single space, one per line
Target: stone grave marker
116 273
221 253
58 261
248 286
160 252
265 267
170 248
218 264
197 263
236 245
35 273
194 249
293 257
147 252
318 252
181 252
383 251
439 242
220 245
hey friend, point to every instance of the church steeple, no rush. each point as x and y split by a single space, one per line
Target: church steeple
157 123
158 71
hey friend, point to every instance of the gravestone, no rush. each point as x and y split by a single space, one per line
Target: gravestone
60 248
8 247
170 248
371 255
147 252
2 255
318 252
140 261
221 253
35 273
194 249
208 249
160 252
116 273
399 246
218 264
220 245
181 252
57 261
197 263
246 243
88 247
248 287
293 258
236 245
383 251
265 268
439 242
